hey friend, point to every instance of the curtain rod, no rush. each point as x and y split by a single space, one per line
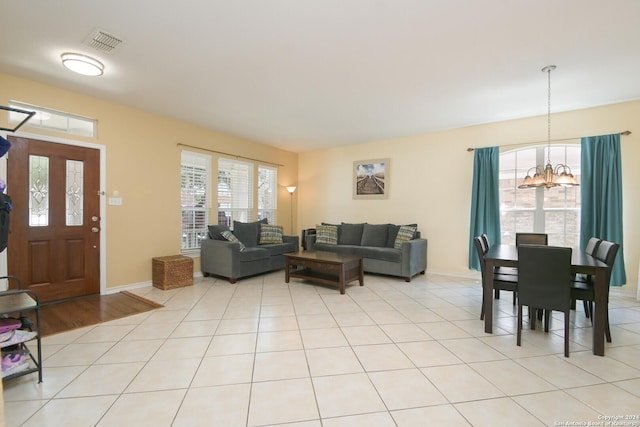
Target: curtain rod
228 154
625 133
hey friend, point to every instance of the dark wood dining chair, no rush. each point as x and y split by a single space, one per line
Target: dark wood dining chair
500 281
544 283
532 239
585 290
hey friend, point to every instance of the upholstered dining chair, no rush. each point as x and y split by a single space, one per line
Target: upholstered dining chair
585 290
544 283
532 239
592 245
500 281
499 270
590 249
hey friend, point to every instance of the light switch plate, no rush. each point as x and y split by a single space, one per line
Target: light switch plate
115 201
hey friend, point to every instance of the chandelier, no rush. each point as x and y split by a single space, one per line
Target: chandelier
549 176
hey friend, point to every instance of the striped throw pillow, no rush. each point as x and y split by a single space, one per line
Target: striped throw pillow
405 234
326 234
270 234
228 235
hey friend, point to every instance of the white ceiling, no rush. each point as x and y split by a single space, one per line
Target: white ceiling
308 74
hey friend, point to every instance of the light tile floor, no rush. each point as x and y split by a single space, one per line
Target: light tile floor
264 353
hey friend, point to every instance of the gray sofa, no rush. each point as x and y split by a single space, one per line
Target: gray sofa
375 243
220 257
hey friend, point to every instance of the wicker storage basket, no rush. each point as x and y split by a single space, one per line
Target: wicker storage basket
171 272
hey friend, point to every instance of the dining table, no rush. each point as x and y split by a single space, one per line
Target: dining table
581 262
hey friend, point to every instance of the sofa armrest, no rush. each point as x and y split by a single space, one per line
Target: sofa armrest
219 257
414 257
311 242
292 239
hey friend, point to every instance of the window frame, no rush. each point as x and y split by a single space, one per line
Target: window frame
198 212
235 203
57 121
509 209
250 204
267 193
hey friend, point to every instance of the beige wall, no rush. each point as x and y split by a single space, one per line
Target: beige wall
143 164
430 180
430 177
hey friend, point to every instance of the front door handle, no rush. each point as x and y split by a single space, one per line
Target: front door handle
95 229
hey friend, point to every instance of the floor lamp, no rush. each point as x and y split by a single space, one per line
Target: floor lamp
291 189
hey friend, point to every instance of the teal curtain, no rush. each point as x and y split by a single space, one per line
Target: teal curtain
601 192
485 203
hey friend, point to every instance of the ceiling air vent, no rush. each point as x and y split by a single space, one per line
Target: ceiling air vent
102 41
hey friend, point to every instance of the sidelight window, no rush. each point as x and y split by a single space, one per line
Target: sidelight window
74 193
38 191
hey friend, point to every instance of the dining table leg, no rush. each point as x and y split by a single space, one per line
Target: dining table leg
601 307
487 291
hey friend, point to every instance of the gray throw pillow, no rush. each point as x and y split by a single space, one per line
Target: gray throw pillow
215 230
350 234
375 235
248 232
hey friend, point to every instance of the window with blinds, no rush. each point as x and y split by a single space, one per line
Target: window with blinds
554 211
235 191
267 192
238 194
194 198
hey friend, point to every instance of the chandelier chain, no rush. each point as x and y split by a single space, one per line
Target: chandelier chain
549 176
549 114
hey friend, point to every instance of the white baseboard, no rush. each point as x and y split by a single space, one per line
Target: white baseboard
139 285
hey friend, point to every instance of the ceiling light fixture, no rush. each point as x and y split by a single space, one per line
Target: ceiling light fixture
82 64
549 176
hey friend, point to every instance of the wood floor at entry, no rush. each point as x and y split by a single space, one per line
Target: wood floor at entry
79 312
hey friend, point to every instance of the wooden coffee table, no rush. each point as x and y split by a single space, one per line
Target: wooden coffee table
324 267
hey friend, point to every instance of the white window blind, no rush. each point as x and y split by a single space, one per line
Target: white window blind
194 194
235 191
267 192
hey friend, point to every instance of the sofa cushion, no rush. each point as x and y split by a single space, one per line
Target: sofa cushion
405 234
340 249
228 235
248 232
279 248
393 233
374 235
350 234
382 254
327 234
216 229
270 234
253 254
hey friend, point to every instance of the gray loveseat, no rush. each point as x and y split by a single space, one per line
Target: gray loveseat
245 257
383 251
